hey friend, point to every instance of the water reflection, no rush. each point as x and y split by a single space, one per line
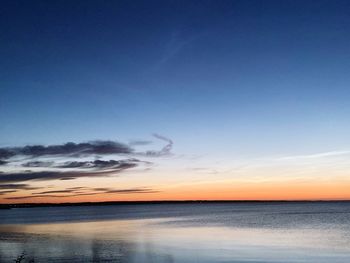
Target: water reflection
221 237
109 241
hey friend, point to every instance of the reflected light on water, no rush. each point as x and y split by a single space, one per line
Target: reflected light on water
227 236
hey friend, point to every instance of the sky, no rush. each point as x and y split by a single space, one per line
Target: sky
174 100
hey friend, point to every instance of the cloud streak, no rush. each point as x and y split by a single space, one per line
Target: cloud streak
7 192
139 143
99 164
59 175
316 155
176 43
17 187
70 149
74 193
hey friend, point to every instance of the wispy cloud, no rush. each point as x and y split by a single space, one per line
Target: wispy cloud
7 192
176 43
17 187
45 196
131 191
316 155
139 142
87 191
166 150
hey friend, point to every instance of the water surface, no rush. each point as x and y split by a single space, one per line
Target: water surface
208 232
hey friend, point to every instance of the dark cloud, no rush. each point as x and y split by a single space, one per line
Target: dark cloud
6 153
68 149
72 149
96 164
45 196
59 175
108 190
57 192
99 191
38 176
88 164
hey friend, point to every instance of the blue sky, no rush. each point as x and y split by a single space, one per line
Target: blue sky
222 79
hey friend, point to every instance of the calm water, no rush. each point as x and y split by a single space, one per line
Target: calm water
223 232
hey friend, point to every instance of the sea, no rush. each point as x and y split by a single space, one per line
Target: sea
200 232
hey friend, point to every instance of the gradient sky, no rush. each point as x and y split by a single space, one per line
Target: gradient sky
249 98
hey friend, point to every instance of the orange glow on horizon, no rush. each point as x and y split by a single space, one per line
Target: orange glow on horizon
218 191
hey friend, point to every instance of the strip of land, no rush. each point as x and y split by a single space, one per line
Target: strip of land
29 205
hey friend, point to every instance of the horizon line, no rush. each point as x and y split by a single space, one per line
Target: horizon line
167 201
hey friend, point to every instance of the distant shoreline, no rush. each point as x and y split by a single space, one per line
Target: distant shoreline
30 205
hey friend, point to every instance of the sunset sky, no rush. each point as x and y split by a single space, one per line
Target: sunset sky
174 100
